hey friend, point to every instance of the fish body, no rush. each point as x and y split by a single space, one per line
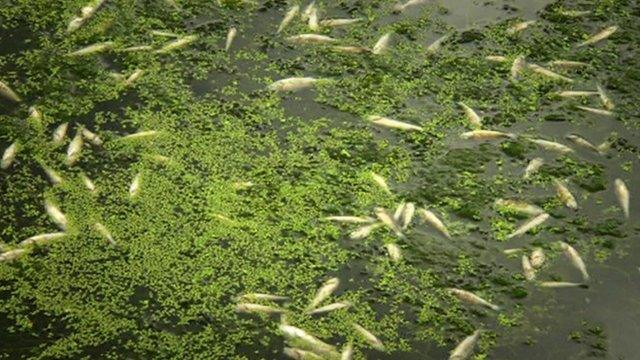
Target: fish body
394 251
574 13
406 215
512 251
486 135
299 354
137 48
548 73
93 49
289 16
411 3
537 258
579 140
258 308
516 28
622 194
52 175
347 352
575 259
75 148
42 238
565 195
308 10
602 112
351 219
369 337
140 134
519 63
85 14
435 46
231 35
330 307
293 84
261 296
177 44
382 45
311 39
391 123
472 298
529 225
388 221
56 215
568 94
465 348
59 133
313 20
552 146
560 284
364 231
340 22
88 183
35 114
567 64
8 93
473 117
137 74
496 58
534 165
351 49
380 181
324 292
605 33
433 220
308 341
134 188
9 156
104 232
12 254
527 269
519 207
91 137
606 100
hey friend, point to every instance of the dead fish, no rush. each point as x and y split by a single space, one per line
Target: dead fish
408 211
35 114
91 137
324 292
548 73
437 45
518 65
56 215
42 238
9 156
473 117
382 45
94 48
137 74
381 182
579 140
567 64
59 133
496 58
537 258
606 100
565 195
313 20
391 123
351 49
567 94
134 188
398 213
340 22
330 307
486 135
512 251
517 27
394 251
299 354
164 33
552 146
574 13
177 44
261 296
231 35
433 220
599 36
472 298
402 7
12 254
605 146
534 165
622 193
364 231
85 14
308 10
52 175
575 259
465 348
529 225
561 284
595 111
311 39
369 337
519 207
137 48
527 269
288 17
104 232
140 134
8 93
347 352
257 308
88 183
75 148
351 219
293 84
308 341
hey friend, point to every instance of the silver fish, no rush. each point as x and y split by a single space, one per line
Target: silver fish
313 20
299 354
164 33
388 221
560 284
351 49
527 269
537 258
137 48
567 64
465 348
9 156
56 215
565 195
311 39
394 251
94 48
433 220
12 254
437 44
261 296
85 14
408 211
52 175
574 13
347 352
486 135
177 44
519 63
42 238
622 193
595 110
8 93
517 27
140 134
548 73
369 337
351 219
340 22
364 231
257 308
472 298
308 341
411 3
134 188
104 232
324 292
75 148
577 93
391 123
137 74
59 133
606 100
473 117
529 225
88 183
512 251
496 58
605 33
519 207
575 259
231 35
330 307
293 84
308 10
91 137
382 45
552 146
381 182
288 17
579 140
534 165
35 114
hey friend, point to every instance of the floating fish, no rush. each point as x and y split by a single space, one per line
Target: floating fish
351 49
622 193
347 352
88 183
496 58
527 269
486 135
340 22
567 64
606 100
567 94
369 337
388 221
257 308
288 17
137 74
59 133
308 10
465 348
324 292
408 211
364 231
164 33
433 220
512 251
311 39
12 254
561 284
104 232
91 137
75 148
313 20
605 33
140 134
56 215
437 45
394 251
94 48
293 84
518 65
8 93
85 14
9 156
231 35
52 175
137 48
177 44
382 45
330 307
574 13
473 117
411 3
42 238
351 219
308 342
565 195
472 298
537 258
595 111
579 140
552 146
391 123
519 207
529 225
548 73
134 188
517 27
261 296
534 165
575 259
381 182
35 114
299 354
